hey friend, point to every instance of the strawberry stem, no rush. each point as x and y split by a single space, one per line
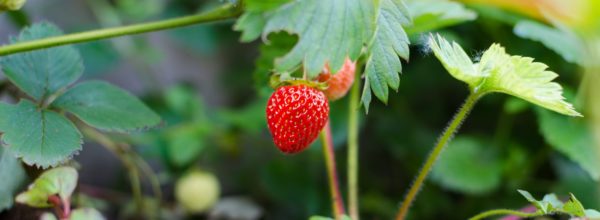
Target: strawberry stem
446 137
494 212
353 109
334 186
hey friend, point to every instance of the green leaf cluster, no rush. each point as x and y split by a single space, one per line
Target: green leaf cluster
498 71
36 128
551 204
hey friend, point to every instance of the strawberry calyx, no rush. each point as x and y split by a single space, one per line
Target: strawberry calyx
278 80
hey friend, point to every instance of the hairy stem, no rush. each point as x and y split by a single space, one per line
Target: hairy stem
334 186
446 137
495 212
353 109
126 159
224 12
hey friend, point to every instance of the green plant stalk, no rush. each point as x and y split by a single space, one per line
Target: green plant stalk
127 161
446 137
495 212
334 186
353 109
221 13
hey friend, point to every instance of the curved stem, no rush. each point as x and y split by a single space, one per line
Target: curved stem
446 137
224 12
494 212
353 109
334 186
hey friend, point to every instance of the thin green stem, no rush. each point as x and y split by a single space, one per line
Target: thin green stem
334 186
353 109
126 159
224 12
446 137
495 212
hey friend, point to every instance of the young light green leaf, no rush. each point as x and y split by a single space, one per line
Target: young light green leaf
329 31
499 72
40 137
48 216
12 175
107 107
551 205
59 181
86 214
390 42
42 73
432 15
564 43
468 167
572 138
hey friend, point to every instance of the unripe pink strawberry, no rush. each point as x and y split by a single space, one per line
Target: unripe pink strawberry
338 83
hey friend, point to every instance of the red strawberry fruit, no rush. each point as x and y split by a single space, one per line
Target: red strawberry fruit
339 83
295 116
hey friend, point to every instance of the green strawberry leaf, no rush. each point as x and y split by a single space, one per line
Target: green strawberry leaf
86 214
562 42
499 72
253 21
329 31
468 167
59 181
431 15
572 138
38 136
390 42
12 175
107 107
550 204
42 73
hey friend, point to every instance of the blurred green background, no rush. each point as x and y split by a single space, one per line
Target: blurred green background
211 91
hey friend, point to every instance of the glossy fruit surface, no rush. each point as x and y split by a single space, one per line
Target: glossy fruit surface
296 114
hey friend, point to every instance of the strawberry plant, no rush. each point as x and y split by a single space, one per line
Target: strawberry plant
217 108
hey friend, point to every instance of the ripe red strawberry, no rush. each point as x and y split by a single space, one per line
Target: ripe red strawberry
295 115
339 83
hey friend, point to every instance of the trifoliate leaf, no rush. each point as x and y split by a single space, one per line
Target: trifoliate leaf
42 73
469 167
390 42
38 136
499 72
11 5
329 31
107 107
432 15
564 43
59 181
572 138
12 175
86 214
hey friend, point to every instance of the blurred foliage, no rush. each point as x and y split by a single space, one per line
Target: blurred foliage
505 144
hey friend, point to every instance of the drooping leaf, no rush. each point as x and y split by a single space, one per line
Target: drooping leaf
40 137
469 167
572 138
59 181
564 43
86 214
329 31
42 73
432 15
12 175
107 107
499 72
390 42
